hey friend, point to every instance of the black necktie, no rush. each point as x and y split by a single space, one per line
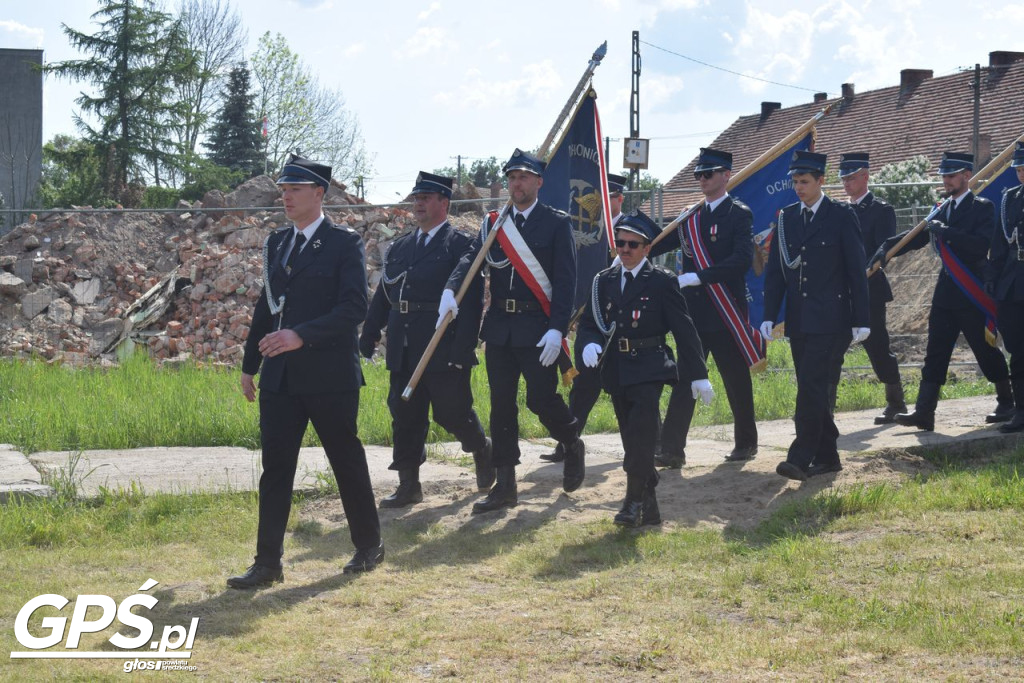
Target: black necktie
520 220
629 281
807 214
421 243
952 210
300 239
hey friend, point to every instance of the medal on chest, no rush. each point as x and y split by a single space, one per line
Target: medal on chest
636 318
714 233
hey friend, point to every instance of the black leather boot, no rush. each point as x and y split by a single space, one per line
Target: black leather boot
558 455
895 403
1016 424
409 490
923 416
503 495
484 466
575 466
632 512
1004 403
651 513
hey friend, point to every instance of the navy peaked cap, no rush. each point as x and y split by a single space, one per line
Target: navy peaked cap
429 182
616 183
807 162
954 162
713 160
299 171
1018 156
640 224
524 161
851 162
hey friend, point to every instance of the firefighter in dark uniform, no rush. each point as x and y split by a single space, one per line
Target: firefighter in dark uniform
415 272
522 340
1007 256
964 224
586 386
304 335
877 224
727 234
816 264
633 305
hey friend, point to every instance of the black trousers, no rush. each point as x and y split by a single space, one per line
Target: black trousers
448 394
883 360
944 326
505 365
815 358
586 389
637 408
738 389
1010 316
283 421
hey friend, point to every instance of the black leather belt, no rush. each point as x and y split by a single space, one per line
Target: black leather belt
403 306
513 306
629 345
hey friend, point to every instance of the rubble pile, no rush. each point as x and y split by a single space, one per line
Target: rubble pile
85 286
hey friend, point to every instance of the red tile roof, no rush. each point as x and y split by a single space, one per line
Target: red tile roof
892 124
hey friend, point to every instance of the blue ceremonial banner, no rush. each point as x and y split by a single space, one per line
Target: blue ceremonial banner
576 181
766 191
993 190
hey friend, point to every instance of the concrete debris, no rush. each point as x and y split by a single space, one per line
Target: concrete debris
94 286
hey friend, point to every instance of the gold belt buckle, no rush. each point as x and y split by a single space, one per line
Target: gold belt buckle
623 344
403 306
510 305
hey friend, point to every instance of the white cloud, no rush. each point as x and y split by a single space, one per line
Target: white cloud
315 5
434 6
427 40
656 89
22 35
538 82
354 49
646 13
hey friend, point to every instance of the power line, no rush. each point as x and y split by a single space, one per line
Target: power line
734 73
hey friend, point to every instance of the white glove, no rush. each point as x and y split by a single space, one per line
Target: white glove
701 388
860 334
590 353
766 330
688 280
552 344
615 261
446 306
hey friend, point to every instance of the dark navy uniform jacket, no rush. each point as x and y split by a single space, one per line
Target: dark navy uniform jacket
727 234
969 237
325 300
828 294
548 232
1006 266
425 277
653 301
877 224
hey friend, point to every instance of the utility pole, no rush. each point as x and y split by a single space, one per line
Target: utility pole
634 103
976 129
607 150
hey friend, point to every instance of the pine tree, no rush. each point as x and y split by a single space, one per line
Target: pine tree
235 140
134 59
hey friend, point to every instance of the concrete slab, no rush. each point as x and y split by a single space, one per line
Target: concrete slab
18 478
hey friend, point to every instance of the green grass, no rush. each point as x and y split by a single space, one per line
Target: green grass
916 579
138 404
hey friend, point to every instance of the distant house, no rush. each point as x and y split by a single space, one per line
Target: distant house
924 114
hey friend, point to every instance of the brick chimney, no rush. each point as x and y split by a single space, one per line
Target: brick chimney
768 107
1002 58
820 97
847 92
911 78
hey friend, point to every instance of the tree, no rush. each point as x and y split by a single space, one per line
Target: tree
136 56
912 170
645 184
213 31
302 115
235 141
72 174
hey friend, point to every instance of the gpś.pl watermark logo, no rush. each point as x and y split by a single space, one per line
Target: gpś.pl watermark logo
171 650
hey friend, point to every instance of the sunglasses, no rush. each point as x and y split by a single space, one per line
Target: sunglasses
632 244
706 175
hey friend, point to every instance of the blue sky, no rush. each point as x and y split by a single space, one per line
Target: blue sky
432 79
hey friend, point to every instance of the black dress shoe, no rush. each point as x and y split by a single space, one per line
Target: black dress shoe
1014 425
1003 413
575 466
742 454
672 462
557 456
484 465
408 493
503 495
365 560
791 471
257 576
918 418
631 515
825 468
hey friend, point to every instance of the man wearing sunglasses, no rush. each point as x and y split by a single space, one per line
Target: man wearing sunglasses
726 240
632 307
816 264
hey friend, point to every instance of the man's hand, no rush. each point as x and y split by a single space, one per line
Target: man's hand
280 342
766 330
879 257
248 387
688 280
447 305
937 228
366 346
701 388
860 334
551 343
591 353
